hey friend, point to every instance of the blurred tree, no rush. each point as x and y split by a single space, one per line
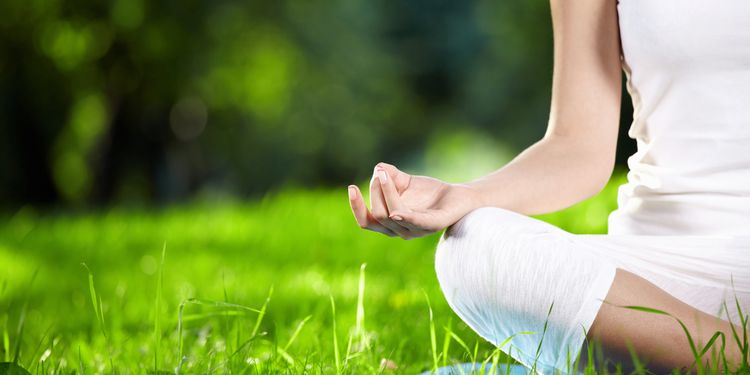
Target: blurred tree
138 101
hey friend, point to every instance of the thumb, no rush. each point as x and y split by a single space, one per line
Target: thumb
400 179
418 221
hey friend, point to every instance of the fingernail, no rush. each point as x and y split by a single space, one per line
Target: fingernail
397 218
352 193
382 176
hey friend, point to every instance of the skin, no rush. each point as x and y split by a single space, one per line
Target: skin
573 161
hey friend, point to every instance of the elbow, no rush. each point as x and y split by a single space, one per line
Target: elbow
591 164
594 161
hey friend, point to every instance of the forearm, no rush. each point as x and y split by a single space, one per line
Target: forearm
550 175
575 158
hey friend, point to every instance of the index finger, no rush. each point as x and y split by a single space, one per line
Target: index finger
363 215
392 198
394 203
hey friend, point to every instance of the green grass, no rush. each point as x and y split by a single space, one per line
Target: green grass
278 285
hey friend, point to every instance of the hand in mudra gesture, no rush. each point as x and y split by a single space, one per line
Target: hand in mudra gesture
409 206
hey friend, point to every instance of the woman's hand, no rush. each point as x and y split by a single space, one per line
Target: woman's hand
410 206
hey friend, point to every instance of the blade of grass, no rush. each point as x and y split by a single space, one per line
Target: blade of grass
476 351
696 355
22 320
81 367
228 309
433 336
735 335
639 368
96 302
19 333
711 342
180 322
157 309
359 328
262 313
296 332
507 340
220 304
744 348
460 342
495 362
348 352
286 356
446 342
6 334
483 367
201 316
541 340
6 339
335 339
507 361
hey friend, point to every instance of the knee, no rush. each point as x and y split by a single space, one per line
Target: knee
492 256
468 239
486 265
482 236
502 272
483 250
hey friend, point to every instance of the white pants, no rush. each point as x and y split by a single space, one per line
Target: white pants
506 274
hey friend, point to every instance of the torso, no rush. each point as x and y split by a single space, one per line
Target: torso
688 68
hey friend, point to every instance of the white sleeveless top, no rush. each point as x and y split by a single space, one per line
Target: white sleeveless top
688 69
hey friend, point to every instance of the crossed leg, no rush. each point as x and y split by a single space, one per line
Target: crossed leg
507 276
657 340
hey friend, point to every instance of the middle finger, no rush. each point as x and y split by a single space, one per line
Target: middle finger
380 209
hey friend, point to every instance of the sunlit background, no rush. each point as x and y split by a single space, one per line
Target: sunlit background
229 130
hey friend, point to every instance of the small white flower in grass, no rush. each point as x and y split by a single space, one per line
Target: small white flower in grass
45 355
388 365
220 346
252 361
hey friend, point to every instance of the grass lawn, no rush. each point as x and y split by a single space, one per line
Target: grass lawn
244 287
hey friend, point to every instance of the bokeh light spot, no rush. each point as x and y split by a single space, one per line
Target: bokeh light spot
148 264
463 155
188 118
127 14
71 176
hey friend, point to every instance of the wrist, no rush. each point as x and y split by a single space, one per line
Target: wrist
469 197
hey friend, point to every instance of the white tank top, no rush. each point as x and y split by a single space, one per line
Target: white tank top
688 68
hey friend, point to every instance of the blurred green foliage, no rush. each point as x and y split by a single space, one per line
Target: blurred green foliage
136 101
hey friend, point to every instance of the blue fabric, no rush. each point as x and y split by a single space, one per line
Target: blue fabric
476 368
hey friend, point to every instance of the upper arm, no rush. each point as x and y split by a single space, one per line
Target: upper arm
586 83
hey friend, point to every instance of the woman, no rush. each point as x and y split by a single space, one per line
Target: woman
680 238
